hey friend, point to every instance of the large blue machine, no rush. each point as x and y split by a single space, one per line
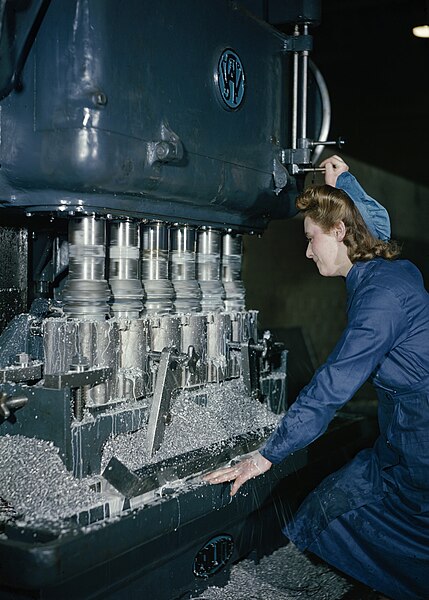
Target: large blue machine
140 141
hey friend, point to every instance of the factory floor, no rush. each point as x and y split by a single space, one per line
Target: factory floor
288 574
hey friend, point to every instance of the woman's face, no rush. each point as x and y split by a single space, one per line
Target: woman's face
327 249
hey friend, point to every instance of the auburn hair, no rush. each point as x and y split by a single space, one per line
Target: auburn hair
327 206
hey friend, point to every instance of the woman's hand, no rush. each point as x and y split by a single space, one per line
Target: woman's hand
247 469
334 166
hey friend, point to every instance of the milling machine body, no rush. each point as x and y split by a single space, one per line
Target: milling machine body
149 111
140 142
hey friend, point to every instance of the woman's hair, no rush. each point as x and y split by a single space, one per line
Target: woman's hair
327 206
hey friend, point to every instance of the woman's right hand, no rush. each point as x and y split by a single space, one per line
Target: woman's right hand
246 469
334 166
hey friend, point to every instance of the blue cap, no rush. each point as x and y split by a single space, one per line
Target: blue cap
375 216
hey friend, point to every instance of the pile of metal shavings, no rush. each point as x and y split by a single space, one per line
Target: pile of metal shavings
35 484
287 574
228 412
129 448
7 512
197 421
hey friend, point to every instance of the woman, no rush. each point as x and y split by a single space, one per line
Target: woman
370 519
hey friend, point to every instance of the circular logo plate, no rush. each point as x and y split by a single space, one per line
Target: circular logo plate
230 79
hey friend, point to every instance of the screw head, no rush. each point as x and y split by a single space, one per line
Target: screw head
99 99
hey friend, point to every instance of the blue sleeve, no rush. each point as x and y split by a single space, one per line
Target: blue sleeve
375 323
374 214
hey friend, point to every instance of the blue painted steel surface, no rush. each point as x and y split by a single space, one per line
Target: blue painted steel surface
119 112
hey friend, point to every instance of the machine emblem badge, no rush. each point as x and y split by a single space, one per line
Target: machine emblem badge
230 79
214 556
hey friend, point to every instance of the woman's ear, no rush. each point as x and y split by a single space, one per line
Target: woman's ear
340 231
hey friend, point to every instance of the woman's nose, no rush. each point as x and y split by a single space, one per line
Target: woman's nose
308 252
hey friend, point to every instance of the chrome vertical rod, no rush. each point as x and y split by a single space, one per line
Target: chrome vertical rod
208 270
232 251
183 257
124 269
295 95
304 88
86 294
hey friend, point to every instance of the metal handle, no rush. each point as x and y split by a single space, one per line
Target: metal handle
339 143
8 403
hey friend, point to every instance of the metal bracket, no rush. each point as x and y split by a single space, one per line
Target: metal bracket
281 176
168 148
76 379
18 373
295 157
298 43
298 160
167 380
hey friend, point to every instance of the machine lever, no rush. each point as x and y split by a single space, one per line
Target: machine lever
188 360
339 143
11 403
167 381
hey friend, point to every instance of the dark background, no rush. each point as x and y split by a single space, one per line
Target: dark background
377 74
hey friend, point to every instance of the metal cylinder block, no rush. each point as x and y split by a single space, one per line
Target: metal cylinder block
218 353
244 326
99 343
60 344
134 343
194 334
165 332
69 342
